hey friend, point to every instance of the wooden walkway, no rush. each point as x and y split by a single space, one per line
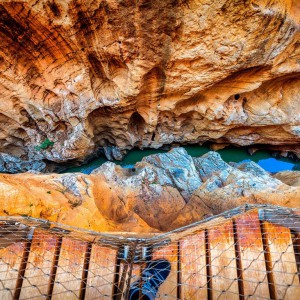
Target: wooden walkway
253 253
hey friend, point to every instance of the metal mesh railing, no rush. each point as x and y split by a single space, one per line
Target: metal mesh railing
250 252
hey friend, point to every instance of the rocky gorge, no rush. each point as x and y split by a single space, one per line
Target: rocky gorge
162 192
80 78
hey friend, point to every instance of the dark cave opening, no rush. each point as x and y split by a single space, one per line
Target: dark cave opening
136 124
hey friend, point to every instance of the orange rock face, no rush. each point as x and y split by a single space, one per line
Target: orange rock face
163 192
78 76
51 197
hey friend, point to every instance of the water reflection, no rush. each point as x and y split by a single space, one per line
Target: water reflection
274 165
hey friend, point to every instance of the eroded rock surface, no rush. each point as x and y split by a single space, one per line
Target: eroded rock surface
291 178
160 193
80 76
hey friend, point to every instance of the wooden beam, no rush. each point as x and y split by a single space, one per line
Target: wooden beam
37 275
253 269
10 263
281 258
100 280
223 262
69 270
193 267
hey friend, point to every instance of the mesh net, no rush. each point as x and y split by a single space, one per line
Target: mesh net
249 252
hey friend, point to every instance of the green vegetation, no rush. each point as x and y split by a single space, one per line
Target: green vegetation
48 192
44 145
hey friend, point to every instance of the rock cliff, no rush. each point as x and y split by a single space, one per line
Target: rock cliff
78 77
160 193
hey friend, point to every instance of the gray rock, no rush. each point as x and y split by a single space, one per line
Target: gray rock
253 168
210 163
173 189
69 182
179 168
12 164
240 176
113 152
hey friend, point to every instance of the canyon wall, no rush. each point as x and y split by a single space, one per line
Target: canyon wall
162 192
80 77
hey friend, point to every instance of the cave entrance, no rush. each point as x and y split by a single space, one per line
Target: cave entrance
136 124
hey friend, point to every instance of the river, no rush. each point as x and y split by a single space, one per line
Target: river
229 154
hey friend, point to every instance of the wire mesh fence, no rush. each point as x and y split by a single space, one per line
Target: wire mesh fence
249 252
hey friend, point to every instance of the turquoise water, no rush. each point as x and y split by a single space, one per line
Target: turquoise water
230 154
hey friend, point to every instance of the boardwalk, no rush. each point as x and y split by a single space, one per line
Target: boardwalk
249 252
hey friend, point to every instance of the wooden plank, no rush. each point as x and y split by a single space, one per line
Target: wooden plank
223 262
40 261
282 261
10 262
69 270
249 241
169 288
101 273
193 267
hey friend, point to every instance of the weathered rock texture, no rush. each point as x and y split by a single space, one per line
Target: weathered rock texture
162 192
291 178
111 74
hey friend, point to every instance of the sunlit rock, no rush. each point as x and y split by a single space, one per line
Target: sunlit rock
79 77
160 193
